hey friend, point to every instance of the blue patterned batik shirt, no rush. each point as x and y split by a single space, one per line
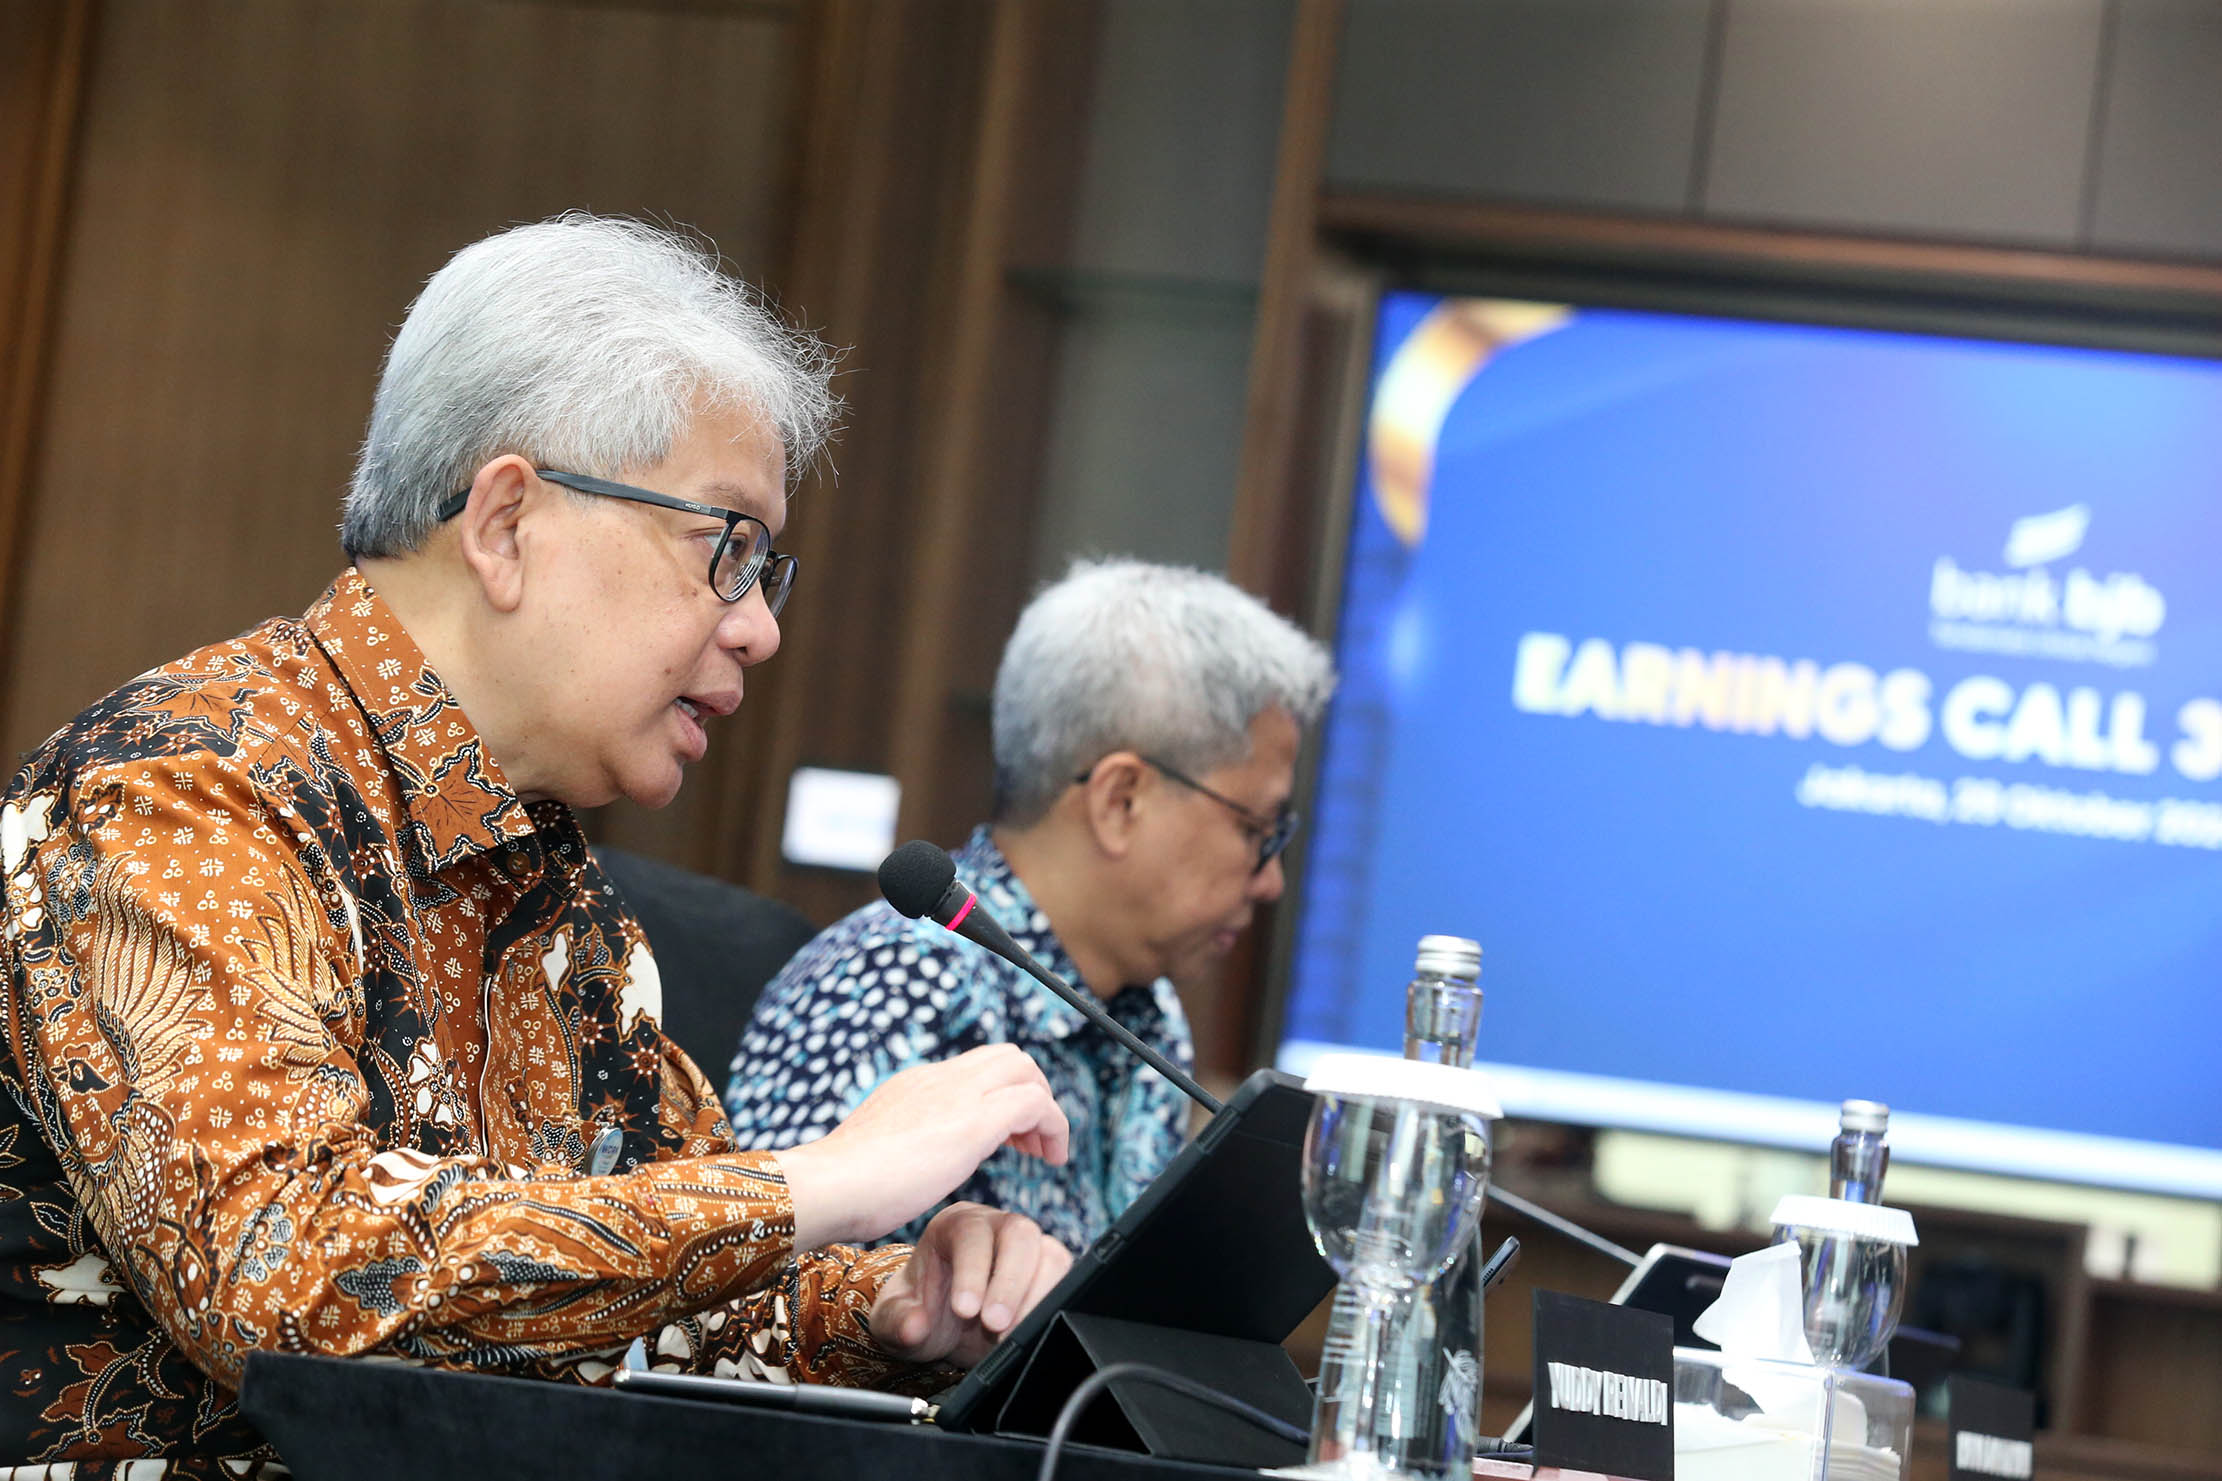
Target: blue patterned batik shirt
877 993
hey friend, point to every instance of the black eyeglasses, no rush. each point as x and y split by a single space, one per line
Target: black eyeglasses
1271 833
735 565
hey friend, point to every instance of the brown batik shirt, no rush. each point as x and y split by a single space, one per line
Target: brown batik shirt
309 1025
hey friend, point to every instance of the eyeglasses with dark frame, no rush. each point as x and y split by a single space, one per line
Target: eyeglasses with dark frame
734 567
1273 834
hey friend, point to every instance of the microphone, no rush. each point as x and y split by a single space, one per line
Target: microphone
920 880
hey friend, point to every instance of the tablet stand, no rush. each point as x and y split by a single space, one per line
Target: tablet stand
1138 1415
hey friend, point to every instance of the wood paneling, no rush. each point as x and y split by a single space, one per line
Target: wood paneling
975 487
1263 496
879 167
42 63
260 187
939 146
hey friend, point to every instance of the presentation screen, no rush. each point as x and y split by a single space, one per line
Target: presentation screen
1793 713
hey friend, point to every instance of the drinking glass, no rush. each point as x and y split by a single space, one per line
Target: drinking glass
1395 1169
1852 1257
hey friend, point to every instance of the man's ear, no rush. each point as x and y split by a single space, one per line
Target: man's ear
1111 800
488 531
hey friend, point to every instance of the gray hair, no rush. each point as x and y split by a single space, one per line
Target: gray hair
1123 655
585 343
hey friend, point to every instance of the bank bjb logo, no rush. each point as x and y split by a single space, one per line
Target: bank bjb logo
2027 609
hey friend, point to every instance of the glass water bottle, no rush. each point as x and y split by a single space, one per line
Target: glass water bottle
1859 1157
1430 1421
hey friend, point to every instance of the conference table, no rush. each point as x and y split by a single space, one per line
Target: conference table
356 1419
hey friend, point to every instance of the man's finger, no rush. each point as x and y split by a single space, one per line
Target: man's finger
931 1291
913 1305
1029 1110
1017 1250
968 1241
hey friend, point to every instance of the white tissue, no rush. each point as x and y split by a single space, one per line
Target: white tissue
1759 1323
1761 1310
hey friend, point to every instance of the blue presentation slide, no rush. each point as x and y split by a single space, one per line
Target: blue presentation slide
1792 713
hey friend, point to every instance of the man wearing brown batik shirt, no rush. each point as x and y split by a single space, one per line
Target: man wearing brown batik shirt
322 1030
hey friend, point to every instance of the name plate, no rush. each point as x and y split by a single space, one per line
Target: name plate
1604 1388
1992 1429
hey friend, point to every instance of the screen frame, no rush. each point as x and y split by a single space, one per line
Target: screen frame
1371 246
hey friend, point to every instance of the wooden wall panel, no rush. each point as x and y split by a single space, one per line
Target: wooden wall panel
883 170
261 186
42 63
938 145
1255 545
977 473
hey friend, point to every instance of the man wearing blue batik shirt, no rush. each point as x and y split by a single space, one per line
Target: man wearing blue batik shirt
1146 727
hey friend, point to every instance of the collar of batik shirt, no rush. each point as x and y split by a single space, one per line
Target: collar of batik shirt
1047 1016
459 802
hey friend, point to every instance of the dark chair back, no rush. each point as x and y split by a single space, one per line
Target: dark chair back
716 946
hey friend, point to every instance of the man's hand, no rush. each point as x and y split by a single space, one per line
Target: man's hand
916 1138
974 1273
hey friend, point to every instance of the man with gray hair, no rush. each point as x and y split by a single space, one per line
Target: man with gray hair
323 1030
1146 728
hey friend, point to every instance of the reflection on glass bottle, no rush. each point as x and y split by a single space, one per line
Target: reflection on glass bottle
1431 1423
1839 1305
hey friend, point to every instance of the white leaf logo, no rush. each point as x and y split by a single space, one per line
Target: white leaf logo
2042 538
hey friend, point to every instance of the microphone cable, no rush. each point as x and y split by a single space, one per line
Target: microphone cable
1095 1383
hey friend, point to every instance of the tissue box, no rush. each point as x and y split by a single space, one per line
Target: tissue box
1760 1419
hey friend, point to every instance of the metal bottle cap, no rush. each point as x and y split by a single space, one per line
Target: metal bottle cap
1449 956
1865 1115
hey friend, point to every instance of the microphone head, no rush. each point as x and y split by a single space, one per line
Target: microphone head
916 876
